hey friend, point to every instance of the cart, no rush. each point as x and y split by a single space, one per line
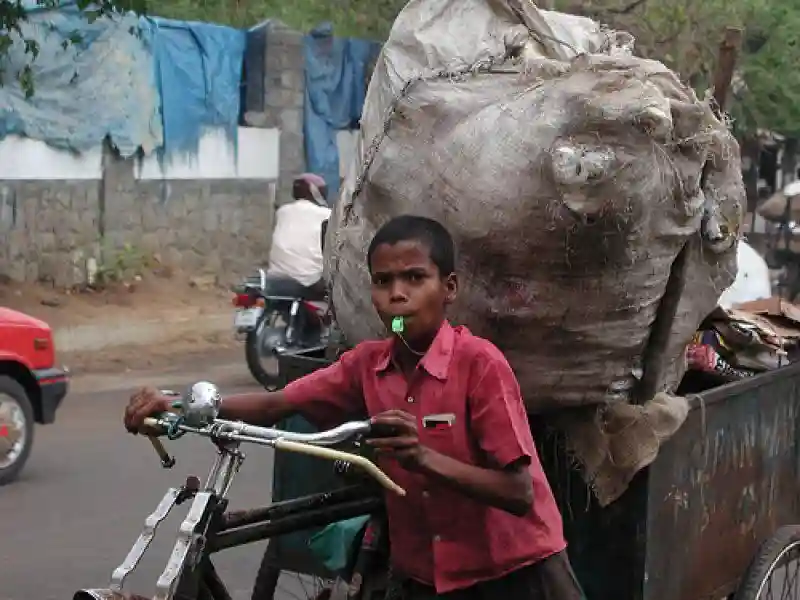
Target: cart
713 517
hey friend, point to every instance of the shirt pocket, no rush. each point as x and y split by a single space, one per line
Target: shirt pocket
443 401
450 441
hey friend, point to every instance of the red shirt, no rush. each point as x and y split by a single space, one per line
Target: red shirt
439 536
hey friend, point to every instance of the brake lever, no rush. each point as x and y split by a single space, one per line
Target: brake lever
167 460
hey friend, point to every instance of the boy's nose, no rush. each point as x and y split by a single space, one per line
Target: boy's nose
398 293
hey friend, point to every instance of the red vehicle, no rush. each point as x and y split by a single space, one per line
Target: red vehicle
31 387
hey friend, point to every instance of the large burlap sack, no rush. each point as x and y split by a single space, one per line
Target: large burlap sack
569 173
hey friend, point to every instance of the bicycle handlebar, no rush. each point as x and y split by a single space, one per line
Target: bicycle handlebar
330 437
313 444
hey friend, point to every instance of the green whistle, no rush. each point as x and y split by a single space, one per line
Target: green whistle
397 325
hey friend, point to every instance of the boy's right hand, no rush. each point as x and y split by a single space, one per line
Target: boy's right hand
146 402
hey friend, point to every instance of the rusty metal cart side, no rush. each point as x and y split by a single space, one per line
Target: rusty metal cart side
688 528
689 525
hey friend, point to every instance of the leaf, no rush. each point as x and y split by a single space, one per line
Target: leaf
32 48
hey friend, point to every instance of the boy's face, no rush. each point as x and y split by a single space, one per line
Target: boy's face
406 283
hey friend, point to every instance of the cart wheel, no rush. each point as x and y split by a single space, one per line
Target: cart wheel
774 571
272 583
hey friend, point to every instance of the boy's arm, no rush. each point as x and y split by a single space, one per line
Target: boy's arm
509 489
499 425
325 397
257 408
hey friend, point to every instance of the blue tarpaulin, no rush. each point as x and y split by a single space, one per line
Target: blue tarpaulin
147 83
91 80
336 70
198 70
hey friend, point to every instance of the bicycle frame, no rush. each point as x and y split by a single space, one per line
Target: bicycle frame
207 527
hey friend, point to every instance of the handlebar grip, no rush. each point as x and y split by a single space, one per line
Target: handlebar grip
354 459
156 421
152 423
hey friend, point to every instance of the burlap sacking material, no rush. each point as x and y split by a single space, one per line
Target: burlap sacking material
612 443
569 173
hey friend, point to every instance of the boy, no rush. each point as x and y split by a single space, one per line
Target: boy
479 521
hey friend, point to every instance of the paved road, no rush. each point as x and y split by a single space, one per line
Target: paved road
83 497
81 502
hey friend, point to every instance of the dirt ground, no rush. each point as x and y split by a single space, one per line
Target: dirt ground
147 298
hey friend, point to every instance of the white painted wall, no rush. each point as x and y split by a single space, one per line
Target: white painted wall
23 158
258 158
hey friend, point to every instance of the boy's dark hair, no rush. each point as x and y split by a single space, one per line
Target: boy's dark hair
420 229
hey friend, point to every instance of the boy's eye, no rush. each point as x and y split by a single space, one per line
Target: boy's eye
380 280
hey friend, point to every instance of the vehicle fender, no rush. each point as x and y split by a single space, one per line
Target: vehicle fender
7 355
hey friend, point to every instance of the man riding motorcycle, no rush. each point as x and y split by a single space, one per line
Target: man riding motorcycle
296 254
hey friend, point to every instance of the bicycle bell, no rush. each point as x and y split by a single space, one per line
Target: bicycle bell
200 404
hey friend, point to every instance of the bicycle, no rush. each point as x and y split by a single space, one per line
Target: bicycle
208 528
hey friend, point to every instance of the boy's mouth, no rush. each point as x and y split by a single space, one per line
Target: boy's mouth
405 318
399 323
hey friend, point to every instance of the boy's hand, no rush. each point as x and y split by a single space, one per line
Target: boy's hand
402 440
146 402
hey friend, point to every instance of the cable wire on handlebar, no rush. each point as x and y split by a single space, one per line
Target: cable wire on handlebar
174 429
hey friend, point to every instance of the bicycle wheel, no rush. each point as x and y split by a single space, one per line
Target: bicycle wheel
207 586
272 583
774 572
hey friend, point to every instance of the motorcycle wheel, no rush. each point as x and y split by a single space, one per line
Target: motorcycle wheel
266 372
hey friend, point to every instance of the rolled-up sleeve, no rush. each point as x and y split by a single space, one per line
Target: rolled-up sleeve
497 414
329 396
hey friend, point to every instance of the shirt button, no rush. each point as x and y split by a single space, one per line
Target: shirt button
410 400
437 538
425 494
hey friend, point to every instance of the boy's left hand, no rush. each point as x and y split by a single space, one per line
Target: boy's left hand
403 443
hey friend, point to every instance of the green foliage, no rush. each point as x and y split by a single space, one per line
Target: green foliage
684 34
12 17
369 19
122 264
769 67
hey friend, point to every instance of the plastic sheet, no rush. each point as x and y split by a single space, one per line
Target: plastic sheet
148 83
100 86
198 69
336 83
334 545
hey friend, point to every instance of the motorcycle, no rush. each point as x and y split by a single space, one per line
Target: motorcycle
276 316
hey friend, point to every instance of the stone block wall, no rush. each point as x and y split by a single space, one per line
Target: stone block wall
284 87
52 230
45 226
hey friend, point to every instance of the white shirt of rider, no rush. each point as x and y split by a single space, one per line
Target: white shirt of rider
296 251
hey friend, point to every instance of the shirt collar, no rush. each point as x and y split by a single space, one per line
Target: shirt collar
436 360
